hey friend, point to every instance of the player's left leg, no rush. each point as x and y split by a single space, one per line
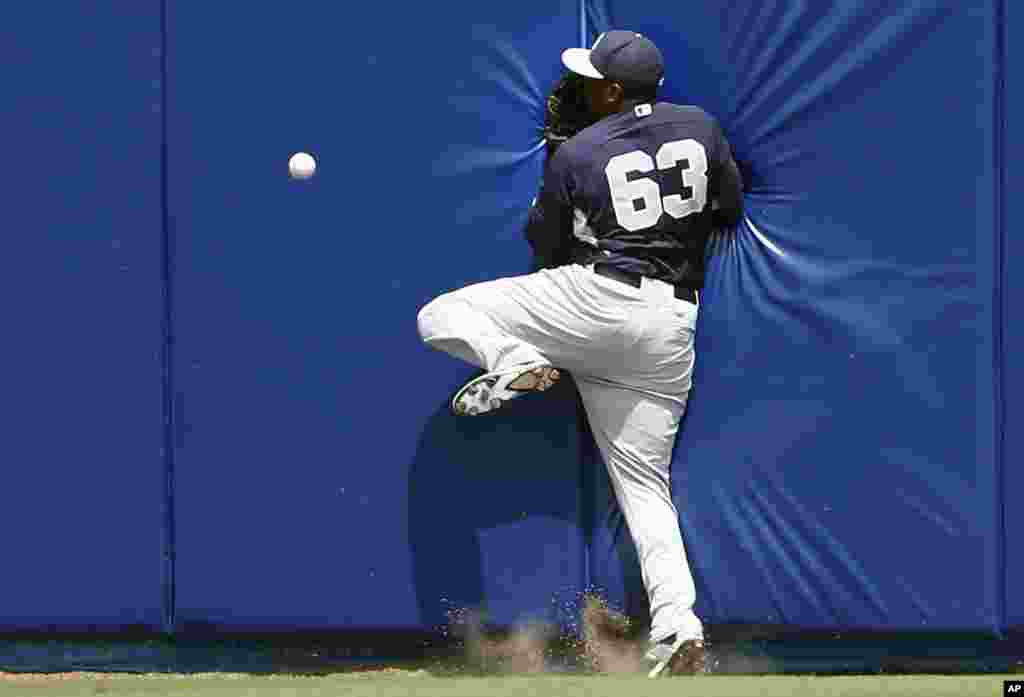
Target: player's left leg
635 433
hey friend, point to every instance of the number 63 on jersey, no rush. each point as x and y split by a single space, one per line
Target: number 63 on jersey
625 192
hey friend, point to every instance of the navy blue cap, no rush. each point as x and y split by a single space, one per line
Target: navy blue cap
625 57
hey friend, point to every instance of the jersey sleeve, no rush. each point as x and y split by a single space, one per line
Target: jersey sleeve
726 182
549 223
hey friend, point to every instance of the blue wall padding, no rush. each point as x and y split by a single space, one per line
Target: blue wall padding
837 467
1013 334
81 502
321 479
849 456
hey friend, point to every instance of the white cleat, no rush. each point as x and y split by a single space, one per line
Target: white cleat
678 657
490 390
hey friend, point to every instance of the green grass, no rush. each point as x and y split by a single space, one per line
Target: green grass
398 683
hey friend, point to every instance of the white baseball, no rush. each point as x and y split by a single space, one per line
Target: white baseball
301 165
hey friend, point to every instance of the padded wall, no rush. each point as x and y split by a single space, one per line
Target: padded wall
837 466
321 479
81 502
1013 334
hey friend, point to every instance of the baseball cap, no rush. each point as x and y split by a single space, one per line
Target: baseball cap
622 56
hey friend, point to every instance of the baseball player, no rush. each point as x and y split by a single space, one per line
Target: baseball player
619 230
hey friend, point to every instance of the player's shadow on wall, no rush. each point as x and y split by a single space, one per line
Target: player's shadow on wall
471 475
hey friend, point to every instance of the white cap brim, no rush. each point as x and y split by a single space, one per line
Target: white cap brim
578 61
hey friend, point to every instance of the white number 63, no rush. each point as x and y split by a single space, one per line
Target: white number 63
625 192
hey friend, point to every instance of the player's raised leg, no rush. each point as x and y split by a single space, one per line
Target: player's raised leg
475 324
462 324
523 329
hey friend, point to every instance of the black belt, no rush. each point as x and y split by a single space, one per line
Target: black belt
633 279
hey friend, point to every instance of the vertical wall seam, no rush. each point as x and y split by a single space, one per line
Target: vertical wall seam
583 24
167 349
999 309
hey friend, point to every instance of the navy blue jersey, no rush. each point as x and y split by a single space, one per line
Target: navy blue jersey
636 190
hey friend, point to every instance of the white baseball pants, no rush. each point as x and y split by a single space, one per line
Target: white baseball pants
631 353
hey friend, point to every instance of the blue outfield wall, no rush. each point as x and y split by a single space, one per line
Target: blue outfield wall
82 498
838 465
848 458
321 480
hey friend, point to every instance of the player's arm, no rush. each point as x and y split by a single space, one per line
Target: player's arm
549 223
728 185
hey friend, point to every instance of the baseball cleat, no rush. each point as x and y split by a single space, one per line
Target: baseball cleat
675 656
490 390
